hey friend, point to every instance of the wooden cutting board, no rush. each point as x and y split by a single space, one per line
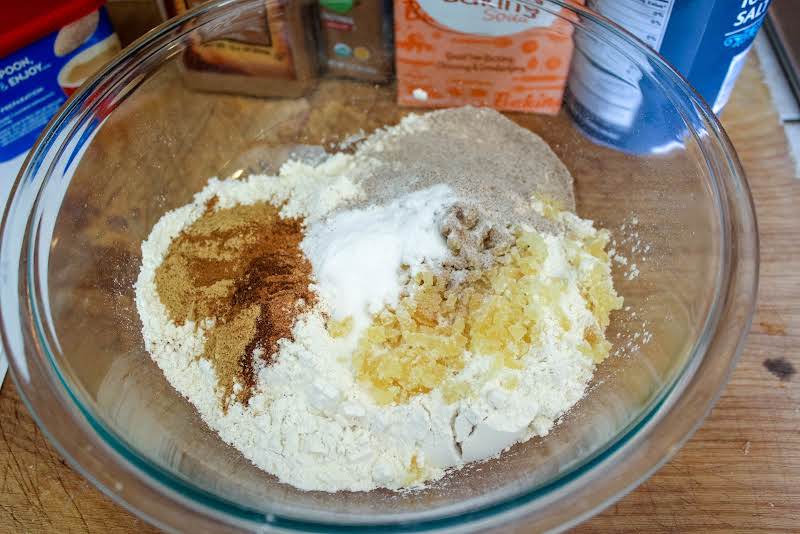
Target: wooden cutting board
740 472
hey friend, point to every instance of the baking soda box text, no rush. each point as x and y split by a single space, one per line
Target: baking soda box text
502 54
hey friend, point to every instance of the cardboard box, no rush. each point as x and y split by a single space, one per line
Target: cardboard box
496 53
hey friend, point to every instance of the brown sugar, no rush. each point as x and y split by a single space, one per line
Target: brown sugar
243 268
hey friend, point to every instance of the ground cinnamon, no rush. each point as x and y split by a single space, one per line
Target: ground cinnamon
242 267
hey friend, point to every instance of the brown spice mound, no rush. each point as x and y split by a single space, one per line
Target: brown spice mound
243 267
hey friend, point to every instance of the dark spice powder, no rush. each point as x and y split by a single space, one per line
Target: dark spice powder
242 267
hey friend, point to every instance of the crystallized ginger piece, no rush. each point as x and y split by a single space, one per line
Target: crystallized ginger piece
422 343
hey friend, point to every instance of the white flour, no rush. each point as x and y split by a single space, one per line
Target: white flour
308 421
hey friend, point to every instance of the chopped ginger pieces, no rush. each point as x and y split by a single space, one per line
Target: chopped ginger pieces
547 207
340 328
424 342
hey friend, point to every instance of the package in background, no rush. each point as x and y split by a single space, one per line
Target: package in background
48 48
356 38
264 52
45 55
502 54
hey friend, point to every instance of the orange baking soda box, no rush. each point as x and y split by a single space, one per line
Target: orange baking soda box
504 54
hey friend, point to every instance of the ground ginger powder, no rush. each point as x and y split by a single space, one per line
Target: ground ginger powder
243 268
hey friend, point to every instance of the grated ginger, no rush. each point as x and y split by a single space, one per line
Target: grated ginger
546 207
424 342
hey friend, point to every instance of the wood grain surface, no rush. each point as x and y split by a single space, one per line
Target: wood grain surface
740 471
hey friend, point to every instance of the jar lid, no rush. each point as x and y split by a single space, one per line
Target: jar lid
26 21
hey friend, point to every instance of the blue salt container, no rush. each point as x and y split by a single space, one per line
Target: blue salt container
705 40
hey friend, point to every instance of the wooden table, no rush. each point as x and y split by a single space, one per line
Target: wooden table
740 472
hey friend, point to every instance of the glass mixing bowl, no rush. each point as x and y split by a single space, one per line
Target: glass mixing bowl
138 140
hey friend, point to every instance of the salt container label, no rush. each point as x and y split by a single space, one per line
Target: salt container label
706 41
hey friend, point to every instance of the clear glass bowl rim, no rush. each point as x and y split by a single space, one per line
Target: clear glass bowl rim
737 280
